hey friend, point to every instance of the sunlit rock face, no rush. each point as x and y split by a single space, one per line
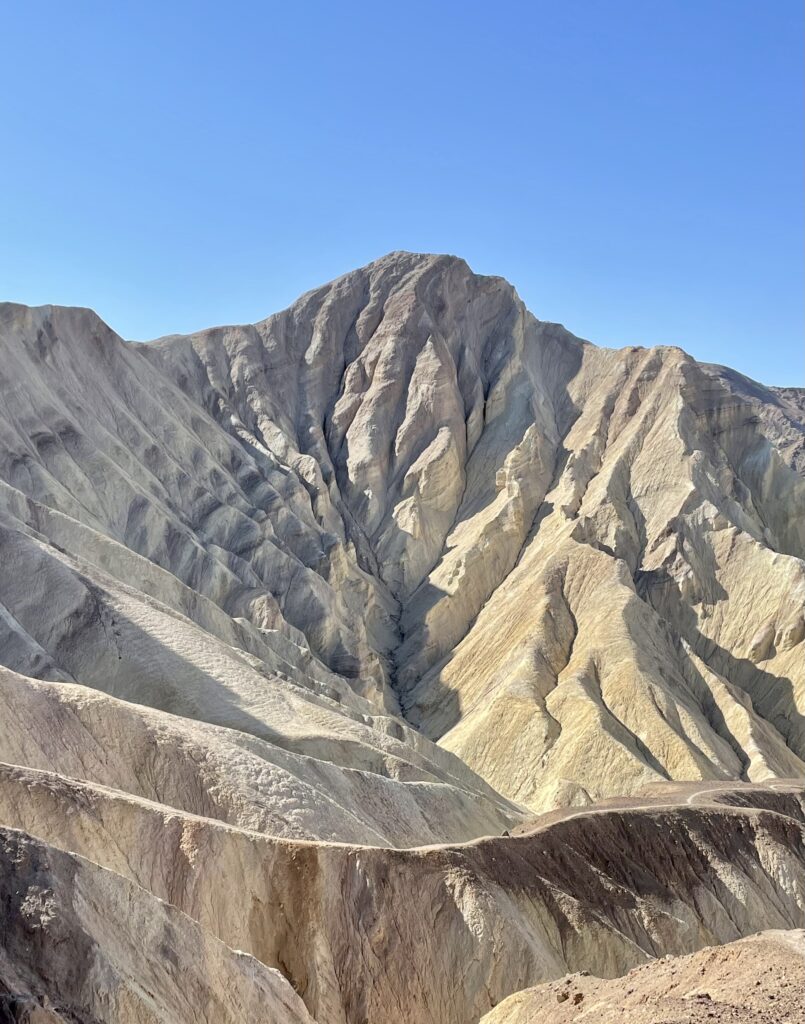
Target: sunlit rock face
400 566
758 980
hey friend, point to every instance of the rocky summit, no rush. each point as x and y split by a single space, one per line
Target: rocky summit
399 659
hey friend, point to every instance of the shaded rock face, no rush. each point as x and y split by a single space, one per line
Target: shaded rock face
63 958
397 568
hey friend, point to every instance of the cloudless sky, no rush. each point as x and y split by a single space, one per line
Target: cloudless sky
633 167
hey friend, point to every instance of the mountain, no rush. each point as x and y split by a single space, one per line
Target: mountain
291 611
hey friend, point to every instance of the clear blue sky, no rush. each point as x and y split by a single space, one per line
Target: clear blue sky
634 167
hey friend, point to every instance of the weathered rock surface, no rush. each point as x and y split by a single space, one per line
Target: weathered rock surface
290 611
233 776
80 945
440 935
759 980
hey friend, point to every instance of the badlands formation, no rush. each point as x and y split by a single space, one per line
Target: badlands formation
380 661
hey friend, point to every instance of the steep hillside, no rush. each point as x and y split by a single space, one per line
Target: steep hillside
591 559
405 489
64 960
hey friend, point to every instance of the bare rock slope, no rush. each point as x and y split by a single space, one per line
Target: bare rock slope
65 957
442 934
578 569
292 614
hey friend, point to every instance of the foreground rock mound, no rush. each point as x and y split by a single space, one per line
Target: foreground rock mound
760 980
